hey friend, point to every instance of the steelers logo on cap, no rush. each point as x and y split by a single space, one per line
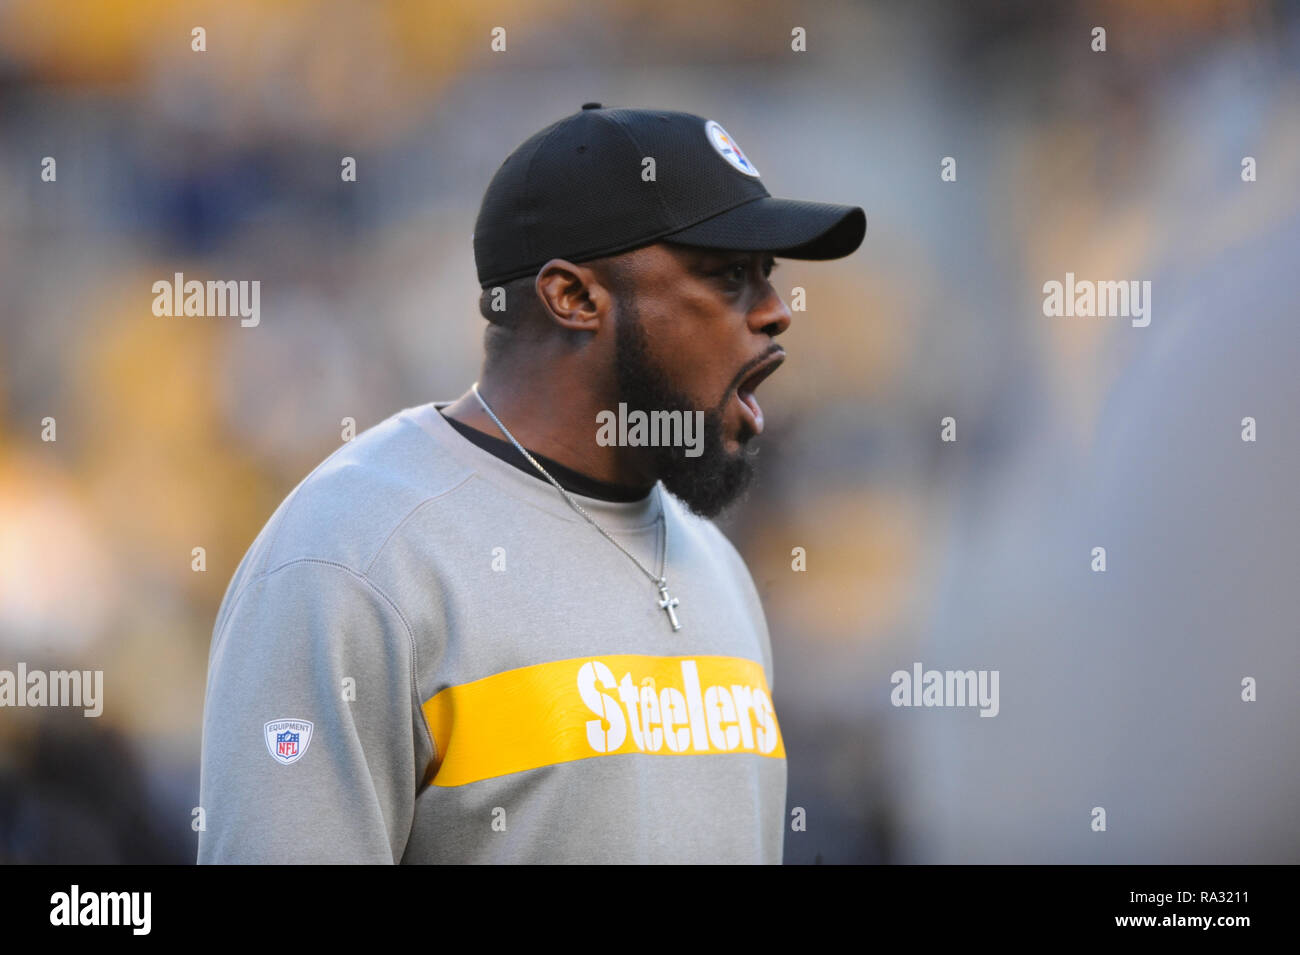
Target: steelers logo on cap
728 149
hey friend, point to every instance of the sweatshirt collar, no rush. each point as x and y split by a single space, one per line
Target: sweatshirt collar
534 488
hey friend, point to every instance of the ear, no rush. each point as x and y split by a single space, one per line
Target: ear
573 296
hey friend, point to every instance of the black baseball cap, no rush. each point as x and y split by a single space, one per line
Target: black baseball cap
604 181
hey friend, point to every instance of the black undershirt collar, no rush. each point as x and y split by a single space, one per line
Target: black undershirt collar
573 481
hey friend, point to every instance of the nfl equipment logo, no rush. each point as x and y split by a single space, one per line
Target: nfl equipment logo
287 739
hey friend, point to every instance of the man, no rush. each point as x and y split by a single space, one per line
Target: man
441 649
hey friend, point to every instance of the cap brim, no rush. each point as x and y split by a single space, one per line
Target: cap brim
789 228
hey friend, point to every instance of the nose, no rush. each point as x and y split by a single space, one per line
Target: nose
770 316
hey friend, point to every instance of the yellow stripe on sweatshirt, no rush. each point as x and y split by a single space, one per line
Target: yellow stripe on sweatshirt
600 706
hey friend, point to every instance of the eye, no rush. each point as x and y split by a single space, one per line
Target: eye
738 270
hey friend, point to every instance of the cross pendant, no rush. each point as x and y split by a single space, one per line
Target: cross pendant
668 605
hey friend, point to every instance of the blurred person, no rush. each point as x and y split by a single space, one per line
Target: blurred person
505 628
1148 713
75 792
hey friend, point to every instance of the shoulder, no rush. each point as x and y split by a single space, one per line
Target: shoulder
704 533
346 509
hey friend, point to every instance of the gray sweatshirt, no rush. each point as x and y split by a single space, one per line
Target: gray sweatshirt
428 656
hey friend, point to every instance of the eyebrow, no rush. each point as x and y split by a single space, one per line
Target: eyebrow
710 255
704 260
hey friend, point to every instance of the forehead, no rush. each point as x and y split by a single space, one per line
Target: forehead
674 256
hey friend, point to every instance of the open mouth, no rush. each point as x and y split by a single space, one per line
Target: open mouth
745 391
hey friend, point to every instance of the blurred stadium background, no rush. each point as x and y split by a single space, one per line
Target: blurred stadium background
1118 690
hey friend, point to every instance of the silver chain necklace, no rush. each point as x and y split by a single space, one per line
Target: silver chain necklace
667 603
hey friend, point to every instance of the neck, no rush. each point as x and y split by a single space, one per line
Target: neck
554 419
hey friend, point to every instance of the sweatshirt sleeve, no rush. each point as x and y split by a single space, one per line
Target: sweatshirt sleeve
309 733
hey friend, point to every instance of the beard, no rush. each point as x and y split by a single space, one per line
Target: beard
707 484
